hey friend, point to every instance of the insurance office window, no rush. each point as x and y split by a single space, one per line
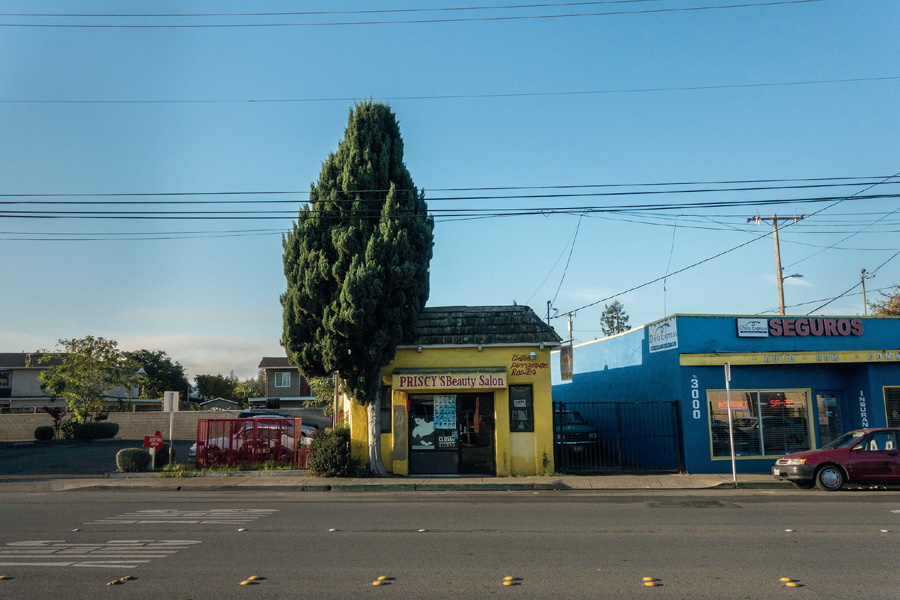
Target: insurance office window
892 406
769 423
283 379
5 378
521 408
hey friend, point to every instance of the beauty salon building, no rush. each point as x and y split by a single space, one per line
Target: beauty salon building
469 395
796 382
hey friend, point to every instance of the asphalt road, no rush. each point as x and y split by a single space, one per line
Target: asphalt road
712 544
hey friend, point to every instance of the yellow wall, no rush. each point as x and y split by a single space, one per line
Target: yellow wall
517 453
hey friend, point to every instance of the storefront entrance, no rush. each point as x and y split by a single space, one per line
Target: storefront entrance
829 406
451 434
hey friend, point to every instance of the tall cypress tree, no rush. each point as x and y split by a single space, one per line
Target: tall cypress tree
356 263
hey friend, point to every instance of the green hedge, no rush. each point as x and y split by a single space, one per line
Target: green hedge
162 456
132 460
44 433
95 431
331 454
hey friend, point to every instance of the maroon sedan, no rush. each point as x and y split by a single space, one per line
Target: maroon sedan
861 456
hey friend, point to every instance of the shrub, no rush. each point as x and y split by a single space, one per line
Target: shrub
44 433
68 429
132 460
331 454
162 457
95 431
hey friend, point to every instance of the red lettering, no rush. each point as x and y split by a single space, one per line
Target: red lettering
802 326
775 327
830 327
816 326
856 327
789 327
843 326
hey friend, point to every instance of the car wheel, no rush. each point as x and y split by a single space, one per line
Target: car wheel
804 485
213 456
830 478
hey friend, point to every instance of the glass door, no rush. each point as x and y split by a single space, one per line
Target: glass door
829 406
476 434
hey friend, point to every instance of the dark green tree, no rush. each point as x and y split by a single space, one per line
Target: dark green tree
356 263
614 320
162 375
215 386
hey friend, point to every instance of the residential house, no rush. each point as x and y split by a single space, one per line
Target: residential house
20 387
285 386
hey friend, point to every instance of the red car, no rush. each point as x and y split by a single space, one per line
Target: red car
861 456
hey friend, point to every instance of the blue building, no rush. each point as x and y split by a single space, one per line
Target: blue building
796 382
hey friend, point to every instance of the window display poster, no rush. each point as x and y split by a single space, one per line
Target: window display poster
445 412
423 433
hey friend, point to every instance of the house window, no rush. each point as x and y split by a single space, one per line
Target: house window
769 423
283 379
5 377
521 408
386 416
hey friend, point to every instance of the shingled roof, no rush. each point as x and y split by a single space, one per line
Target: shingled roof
482 325
19 360
274 362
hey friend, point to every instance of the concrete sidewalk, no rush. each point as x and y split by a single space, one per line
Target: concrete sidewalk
297 481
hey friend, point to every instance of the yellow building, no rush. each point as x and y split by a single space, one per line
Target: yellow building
469 395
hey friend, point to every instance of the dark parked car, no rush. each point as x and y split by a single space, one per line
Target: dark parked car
573 432
861 456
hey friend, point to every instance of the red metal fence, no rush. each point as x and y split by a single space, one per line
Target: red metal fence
236 442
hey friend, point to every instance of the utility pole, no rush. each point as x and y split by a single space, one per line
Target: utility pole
778 275
865 306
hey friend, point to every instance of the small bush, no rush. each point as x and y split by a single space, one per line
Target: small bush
162 457
44 433
95 431
331 454
68 429
132 460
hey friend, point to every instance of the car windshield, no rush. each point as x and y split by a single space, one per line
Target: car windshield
570 418
848 439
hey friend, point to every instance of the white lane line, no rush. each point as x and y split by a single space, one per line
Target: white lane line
218 516
112 554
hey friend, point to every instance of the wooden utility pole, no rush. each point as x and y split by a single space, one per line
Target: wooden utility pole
779 277
865 306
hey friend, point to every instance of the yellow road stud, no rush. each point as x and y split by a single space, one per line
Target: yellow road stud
509 583
509 578
378 582
793 584
786 579
649 579
246 582
116 582
650 583
254 578
5 577
383 578
127 578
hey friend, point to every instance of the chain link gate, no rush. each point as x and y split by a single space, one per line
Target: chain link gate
629 437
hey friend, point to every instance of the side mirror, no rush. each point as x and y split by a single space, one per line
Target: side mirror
858 446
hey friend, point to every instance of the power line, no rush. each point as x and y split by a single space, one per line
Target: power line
325 12
693 88
411 21
855 286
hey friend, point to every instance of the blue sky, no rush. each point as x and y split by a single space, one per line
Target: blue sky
212 302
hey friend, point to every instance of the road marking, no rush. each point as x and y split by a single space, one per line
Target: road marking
115 553
218 516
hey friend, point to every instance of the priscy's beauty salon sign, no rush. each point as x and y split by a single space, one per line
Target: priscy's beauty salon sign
449 381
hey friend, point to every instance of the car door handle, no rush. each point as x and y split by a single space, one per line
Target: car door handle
892 453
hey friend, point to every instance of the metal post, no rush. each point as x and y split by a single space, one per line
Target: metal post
730 423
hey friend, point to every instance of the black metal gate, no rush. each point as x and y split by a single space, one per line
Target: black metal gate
630 437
